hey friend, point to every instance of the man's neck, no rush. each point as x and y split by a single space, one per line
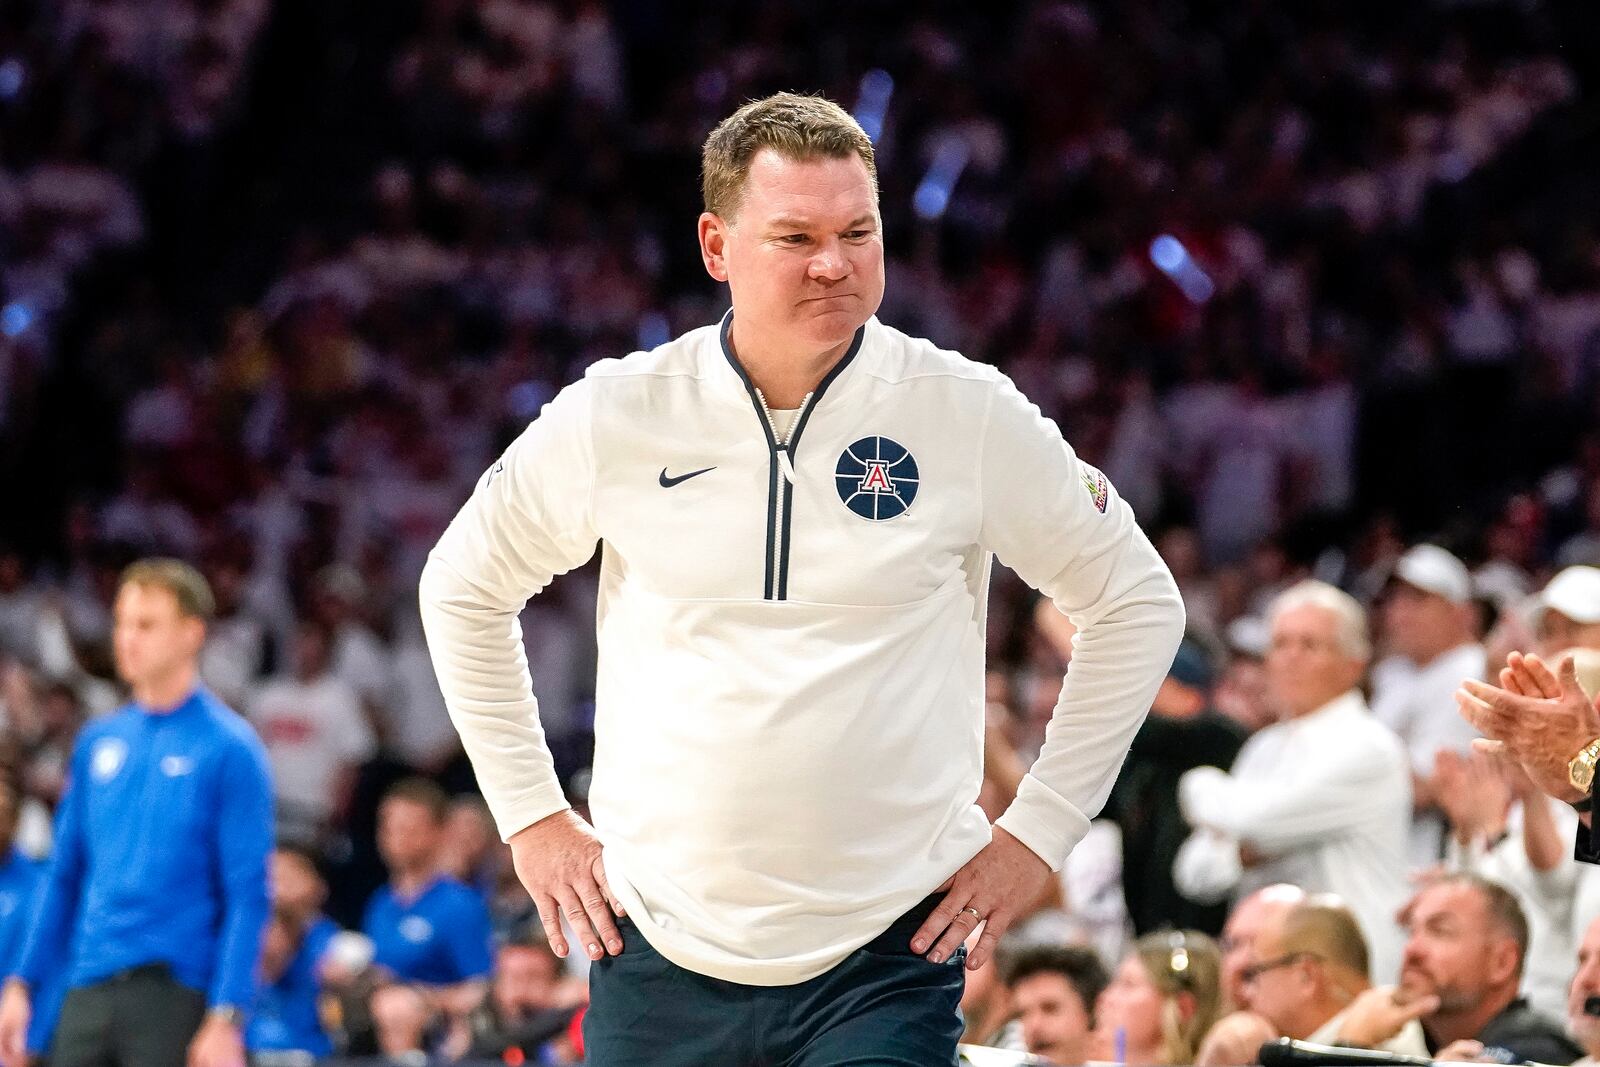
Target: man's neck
409 883
1313 1015
1467 1025
784 377
166 694
1429 656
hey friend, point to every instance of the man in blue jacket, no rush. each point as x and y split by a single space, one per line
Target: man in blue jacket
157 892
21 881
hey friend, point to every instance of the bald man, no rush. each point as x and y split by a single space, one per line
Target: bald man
1239 935
1312 964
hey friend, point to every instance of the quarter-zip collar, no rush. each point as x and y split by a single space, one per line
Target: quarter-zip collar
775 584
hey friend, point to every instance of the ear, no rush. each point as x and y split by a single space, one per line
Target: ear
713 245
194 631
1503 959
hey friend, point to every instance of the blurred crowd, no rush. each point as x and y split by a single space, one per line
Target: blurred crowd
1312 285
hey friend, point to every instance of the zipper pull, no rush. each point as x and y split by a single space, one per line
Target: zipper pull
786 464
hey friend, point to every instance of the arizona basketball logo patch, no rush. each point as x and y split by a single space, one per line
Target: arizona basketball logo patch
1099 492
877 478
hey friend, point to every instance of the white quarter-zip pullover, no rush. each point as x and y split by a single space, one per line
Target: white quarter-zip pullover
789 705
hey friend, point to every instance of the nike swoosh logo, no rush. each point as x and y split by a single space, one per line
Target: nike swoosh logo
668 483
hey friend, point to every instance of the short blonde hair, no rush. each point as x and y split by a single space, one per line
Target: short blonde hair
187 585
1350 629
794 126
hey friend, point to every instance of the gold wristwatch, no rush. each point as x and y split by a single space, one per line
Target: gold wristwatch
1580 772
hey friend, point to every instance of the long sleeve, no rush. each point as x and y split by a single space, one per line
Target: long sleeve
243 840
528 520
47 945
1061 526
1333 789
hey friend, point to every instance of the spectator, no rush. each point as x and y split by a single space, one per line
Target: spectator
1053 991
1583 1024
1312 964
1463 964
1429 623
1245 922
1162 999
527 1008
471 851
1511 833
1182 732
285 1017
427 927
1322 798
1567 613
316 736
22 880
986 1014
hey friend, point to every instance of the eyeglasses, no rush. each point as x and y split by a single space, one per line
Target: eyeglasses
1256 970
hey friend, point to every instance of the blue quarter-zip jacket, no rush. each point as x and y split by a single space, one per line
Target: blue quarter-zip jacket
161 852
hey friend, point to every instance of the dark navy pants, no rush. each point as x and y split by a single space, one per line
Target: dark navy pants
883 1006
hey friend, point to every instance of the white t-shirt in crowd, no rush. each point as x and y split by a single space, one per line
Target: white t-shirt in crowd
1419 705
313 731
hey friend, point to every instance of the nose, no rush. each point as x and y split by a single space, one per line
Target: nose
830 263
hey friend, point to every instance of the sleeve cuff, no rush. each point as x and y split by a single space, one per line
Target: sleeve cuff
519 813
1049 824
1207 867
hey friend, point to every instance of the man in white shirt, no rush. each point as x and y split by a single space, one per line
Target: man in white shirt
1321 798
798 509
1429 621
315 733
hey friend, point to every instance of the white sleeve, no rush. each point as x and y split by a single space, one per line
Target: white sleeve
1061 526
1340 791
528 520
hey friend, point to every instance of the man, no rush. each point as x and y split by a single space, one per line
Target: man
1320 799
1567 614
315 732
798 509
1053 990
1312 963
1245 922
426 927
158 884
1430 622
525 1007
1582 1024
21 881
1181 733
1461 971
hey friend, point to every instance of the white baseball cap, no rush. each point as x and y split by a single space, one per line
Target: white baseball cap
1433 570
1575 592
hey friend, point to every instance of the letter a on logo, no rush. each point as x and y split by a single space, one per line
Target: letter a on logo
877 479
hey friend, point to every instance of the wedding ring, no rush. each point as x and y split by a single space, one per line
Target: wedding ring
974 911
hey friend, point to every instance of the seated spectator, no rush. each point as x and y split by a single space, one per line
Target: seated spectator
1322 798
315 733
284 1017
297 887
1239 935
1182 732
21 881
427 927
1311 965
527 1008
1163 998
1461 971
402 1018
1582 1024
986 1015
472 852
1053 992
